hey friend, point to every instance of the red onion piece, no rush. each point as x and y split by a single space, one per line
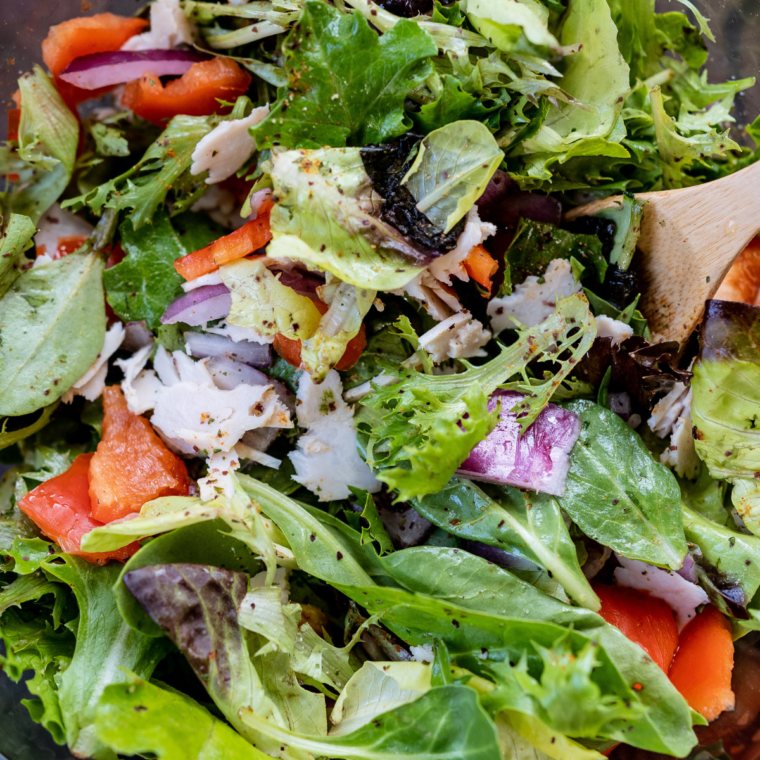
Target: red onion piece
538 460
91 72
205 345
304 283
228 373
199 306
689 569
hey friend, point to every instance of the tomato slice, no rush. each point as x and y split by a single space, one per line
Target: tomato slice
702 667
60 507
132 464
76 37
648 621
196 93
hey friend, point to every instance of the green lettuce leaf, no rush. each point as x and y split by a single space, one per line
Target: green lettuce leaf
346 84
261 301
28 553
445 722
48 132
529 525
146 282
373 529
453 103
423 427
726 387
627 217
320 217
59 310
138 717
16 238
452 168
618 495
503 24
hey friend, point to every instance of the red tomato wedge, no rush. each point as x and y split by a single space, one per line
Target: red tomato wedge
84 36
238 244
196 93
60 507
290 350
642 618
481 266
702 667
132 464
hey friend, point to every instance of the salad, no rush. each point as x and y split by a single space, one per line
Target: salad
327 434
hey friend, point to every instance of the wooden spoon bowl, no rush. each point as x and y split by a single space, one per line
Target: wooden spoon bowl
689 240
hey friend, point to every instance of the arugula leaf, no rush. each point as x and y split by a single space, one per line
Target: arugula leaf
261 301
144 187
48 132
59 310
105 647
453 166
446 721
618 495
452 104
530 525
142 285
536 244
346 84
138 717
371 524
320 216
423 427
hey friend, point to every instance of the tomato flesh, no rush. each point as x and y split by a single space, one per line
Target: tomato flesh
60 507
132 464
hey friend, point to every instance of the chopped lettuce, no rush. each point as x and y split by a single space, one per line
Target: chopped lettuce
504 24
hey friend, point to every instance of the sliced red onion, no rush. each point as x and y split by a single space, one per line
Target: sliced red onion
206 345
538 460
689 569
257 199
199 306
492 553
503 203
304 283
91 72
228 374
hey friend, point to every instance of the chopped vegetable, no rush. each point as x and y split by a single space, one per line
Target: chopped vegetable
196 93
249 238
132 464
702 667
61 509
82 36
481 266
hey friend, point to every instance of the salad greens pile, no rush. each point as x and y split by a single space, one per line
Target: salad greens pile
420 429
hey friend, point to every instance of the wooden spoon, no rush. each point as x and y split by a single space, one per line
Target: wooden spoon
689 240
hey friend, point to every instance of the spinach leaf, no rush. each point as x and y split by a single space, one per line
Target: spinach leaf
138 717
52 327
523 523
445 722
618 495
146 282
205 543
105 647
346 84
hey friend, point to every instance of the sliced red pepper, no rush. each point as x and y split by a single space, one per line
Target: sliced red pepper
481 266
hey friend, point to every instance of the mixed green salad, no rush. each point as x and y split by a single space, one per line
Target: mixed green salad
326 433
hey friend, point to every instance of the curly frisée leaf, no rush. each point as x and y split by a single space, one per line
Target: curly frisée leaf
453 166
323 199
445 722
422 428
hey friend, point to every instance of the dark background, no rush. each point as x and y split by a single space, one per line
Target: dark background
23 26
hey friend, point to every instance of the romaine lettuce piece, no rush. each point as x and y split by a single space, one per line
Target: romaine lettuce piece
503 24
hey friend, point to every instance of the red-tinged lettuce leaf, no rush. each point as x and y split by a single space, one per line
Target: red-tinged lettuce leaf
346 85
538 460
726 403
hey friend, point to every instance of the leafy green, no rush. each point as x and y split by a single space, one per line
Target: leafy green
53 325
138 717
35 190
706 496
109 140
536 244
105 647
319 217
726 387
346 84
445 722
261 301
17 434
453 166
453 103
143 188
28 553
618 495
530 525
372 526
15 240
146 282
423 427
48 132
627 217
504 24
28 588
